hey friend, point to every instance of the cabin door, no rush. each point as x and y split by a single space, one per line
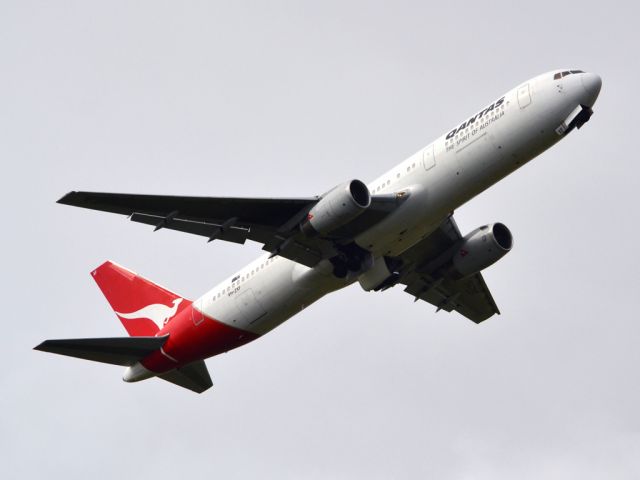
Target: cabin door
428 158
524 95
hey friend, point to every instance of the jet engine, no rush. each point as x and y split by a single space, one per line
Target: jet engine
482 248
337 207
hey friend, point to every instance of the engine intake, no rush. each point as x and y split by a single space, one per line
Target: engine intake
482 248
337 207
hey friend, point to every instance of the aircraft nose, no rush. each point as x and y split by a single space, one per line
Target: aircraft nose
591 84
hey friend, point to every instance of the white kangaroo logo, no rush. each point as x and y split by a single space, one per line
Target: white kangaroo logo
156 312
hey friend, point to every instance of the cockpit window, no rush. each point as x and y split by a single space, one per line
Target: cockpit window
559 75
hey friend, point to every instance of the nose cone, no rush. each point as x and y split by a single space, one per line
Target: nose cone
591 84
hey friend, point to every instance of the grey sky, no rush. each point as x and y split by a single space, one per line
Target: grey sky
288 99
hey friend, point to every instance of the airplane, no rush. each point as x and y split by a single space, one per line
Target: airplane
396 230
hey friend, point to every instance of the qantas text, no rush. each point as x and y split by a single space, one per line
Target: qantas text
477 116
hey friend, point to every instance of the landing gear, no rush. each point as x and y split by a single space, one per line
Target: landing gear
351 259
340 270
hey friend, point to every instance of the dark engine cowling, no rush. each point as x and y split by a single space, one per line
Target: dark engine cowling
337 207
482 248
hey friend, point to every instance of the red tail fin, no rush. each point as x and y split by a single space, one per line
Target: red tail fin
142 306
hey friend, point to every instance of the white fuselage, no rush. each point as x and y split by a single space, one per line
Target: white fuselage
438 179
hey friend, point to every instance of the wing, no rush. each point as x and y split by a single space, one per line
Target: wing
423 276
271 221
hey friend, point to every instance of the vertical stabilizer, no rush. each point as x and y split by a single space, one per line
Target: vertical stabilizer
142 306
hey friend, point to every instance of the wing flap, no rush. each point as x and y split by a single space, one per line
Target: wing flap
202 228
470 296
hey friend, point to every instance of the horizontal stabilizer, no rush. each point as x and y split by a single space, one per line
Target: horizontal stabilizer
193 376
123 351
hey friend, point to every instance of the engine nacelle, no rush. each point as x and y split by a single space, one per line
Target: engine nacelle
481 248
337 207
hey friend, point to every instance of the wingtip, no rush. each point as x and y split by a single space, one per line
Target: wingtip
65 199
41 346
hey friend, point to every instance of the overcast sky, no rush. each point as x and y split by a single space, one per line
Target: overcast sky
289 99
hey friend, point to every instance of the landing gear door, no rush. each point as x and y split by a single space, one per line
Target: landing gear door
524 95
428 158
